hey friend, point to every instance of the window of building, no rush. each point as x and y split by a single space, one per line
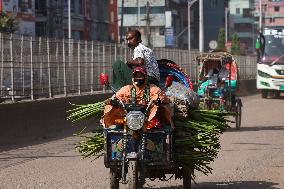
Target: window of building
246 13
265 7
243 27
77 34
214 3
276 8
238 11
162 31
40 28
112 17
40 5
134 10
271 20
76 6
26 6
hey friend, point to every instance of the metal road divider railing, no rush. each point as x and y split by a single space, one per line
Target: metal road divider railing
33 67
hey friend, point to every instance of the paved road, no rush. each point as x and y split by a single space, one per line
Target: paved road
252 158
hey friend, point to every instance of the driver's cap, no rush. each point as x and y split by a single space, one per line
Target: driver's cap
139 69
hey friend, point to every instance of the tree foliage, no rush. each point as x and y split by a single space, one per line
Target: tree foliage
221 39
7 24
235 44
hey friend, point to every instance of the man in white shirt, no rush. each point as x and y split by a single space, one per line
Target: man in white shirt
143 56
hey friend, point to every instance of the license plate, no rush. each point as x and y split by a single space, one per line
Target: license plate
281 88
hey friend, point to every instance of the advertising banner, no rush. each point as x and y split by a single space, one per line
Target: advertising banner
169 36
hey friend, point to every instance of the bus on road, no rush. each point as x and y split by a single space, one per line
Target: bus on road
270 67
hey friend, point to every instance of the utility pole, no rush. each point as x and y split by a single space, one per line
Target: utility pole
121 21
69 19
201 28
189 4
260 15
148 24
226 24
138 13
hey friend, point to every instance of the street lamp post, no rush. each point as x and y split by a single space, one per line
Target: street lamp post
201 28
189 3
69 19
260 15
226 24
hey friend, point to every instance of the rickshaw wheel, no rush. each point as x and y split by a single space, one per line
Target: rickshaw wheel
133 175
114 180
238 110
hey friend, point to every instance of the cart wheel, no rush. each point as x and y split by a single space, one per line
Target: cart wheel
114 179
238 110
186 178
264 93
132 175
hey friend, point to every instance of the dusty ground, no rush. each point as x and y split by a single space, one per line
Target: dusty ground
252 158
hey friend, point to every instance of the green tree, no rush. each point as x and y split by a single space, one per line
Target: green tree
235 49
221 39
7 23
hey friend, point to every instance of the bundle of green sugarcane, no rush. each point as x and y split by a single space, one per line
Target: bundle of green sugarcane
91 145
197 136
81 112
197 139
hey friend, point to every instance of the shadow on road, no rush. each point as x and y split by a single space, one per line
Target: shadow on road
259 128
230 185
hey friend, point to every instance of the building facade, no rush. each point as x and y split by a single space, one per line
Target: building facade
241 21
89 19
272 12
158 20
22 10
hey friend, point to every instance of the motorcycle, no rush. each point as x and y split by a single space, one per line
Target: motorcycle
134 153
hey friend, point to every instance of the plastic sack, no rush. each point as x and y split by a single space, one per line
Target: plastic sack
183 98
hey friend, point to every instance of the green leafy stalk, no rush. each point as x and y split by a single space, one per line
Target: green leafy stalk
196 137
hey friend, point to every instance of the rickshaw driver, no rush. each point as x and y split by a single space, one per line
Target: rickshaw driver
142 56
141 93
216 77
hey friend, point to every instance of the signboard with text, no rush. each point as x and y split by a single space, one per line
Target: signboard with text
169 36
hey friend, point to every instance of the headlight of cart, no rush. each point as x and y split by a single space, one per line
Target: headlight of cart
263 74
135 120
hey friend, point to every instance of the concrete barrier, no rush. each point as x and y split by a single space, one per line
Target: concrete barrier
25 123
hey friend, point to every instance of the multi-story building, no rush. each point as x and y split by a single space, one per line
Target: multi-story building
23 11
241 21
99 20
272 12
89 19
158 21
49 18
